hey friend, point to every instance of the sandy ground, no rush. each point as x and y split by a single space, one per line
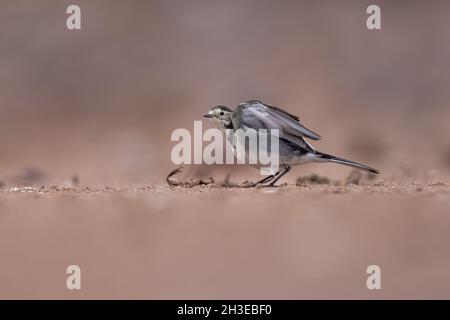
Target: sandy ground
292 242
88 114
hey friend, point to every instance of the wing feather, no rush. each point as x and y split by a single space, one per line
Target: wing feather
257 115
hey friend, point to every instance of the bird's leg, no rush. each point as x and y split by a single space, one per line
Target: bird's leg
287 168
266 179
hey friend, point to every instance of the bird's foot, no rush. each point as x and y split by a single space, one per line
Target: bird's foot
248 184
268 186
272 185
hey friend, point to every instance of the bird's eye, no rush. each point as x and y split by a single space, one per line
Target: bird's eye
222 113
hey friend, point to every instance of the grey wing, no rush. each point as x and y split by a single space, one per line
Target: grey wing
259 116
290 123
274 118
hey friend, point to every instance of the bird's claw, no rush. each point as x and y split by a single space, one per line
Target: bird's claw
248 184
272 185
268 186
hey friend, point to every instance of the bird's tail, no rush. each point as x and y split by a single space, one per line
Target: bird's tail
329 157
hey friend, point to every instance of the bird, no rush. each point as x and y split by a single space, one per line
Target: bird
294 149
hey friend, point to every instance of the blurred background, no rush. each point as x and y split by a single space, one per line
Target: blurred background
100 103
96 108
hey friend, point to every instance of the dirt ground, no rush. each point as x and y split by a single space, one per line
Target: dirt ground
213 242
86 118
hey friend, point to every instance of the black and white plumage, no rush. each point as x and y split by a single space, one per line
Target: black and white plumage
293 148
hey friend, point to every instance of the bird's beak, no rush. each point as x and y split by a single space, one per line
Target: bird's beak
208 115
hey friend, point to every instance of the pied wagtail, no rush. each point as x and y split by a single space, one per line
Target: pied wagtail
293 148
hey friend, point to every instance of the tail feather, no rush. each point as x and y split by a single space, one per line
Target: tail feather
329 157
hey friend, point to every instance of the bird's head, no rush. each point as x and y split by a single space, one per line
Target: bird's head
220 114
